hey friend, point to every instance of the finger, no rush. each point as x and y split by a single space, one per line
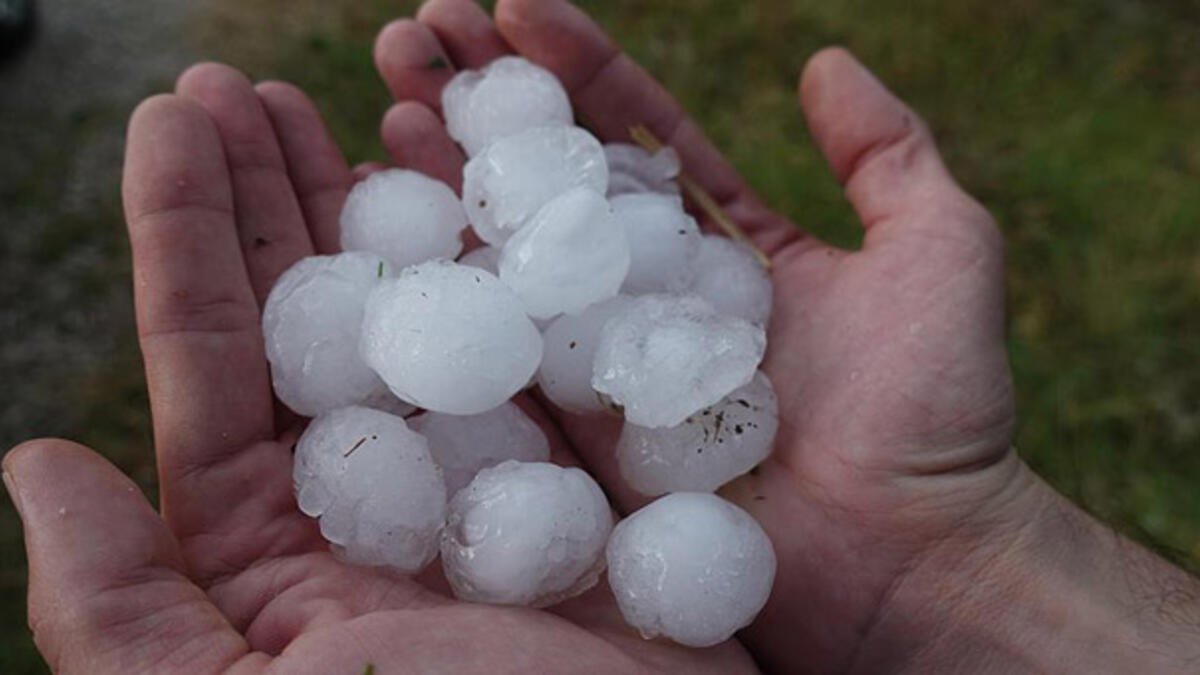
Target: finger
318 171
611 93
412 63
270 223
879 148
197 318
107 593
466 32
364 169
416 139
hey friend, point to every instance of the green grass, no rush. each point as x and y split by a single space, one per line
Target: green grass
1073 121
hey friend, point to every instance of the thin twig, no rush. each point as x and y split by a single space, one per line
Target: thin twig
355 447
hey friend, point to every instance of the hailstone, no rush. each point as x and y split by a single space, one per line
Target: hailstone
484 257
404 216
732 279
507 183
665 357
311 324
663 242
573 253
708 449
565 375
508 95
462 445
371 482
632 169
449 338
526 533
690 566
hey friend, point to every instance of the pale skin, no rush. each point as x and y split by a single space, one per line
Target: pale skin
910 536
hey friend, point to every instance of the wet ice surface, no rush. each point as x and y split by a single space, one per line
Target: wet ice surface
730 278
664 242
526 534
565 375
484 257
311 325
705 451
371 481
462 445
665 357
690 566
449 338
404 216
632 169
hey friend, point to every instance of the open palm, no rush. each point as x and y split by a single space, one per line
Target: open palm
895 399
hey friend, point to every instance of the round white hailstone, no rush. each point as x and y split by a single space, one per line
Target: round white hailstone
462 445
449 338
526 533
565 375
484 257
507 183
311 324
732 280
710 448
507 96
573 253
632 169
371 481
663 242
690 566
665 357
404 216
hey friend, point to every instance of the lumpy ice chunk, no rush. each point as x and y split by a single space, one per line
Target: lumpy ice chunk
507 183
508 95
663 242
373 485
665 357
565 375
462 445
631 169
690 566
404 216
484 257
526 533
730 278
705 451
311 324
572 254
449 338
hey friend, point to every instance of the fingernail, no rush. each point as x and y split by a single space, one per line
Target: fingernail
13 493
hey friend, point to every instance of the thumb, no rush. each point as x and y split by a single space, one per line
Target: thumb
106 590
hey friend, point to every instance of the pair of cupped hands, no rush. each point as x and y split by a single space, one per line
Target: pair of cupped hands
891 477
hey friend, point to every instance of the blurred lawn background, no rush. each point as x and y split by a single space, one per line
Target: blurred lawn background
1077 122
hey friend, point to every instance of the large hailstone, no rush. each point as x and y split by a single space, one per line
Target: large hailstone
526 533
508 95
631 169
311 324
371 481
730 278
565 375
449 338
462 445
404 216
573 253
690 566
665 357
484 257
663 242
507 183
710 448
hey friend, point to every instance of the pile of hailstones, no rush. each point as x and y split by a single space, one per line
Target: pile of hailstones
594 285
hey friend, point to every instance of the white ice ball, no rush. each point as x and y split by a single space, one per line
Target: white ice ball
565 375
462 445
484 257
573 253
631 169
449 338
691 567
371 481
730 278
311 324
708 449
404 216
526 533
663 242
665 357
508 95
507 183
